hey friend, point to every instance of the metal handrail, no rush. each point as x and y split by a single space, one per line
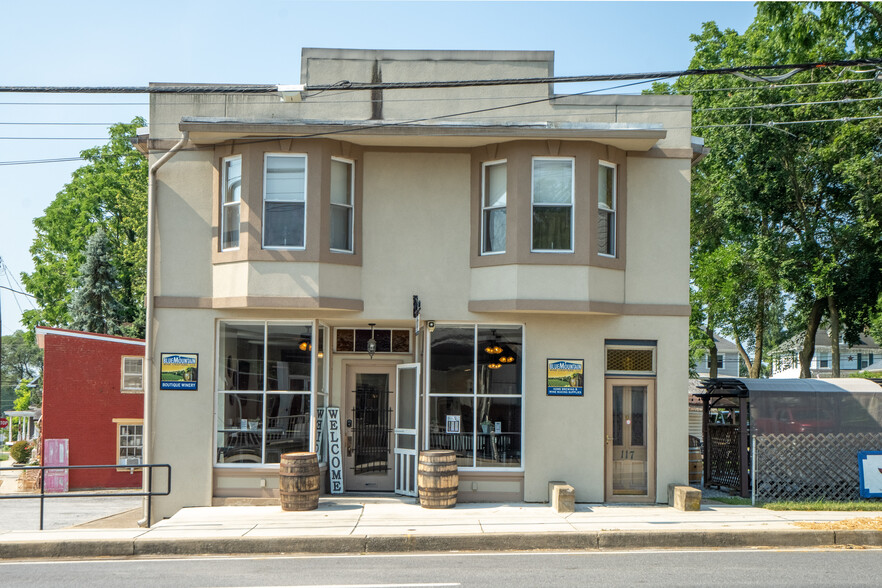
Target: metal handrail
43 495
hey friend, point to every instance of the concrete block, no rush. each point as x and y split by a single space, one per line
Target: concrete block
684 497
563 498
551 486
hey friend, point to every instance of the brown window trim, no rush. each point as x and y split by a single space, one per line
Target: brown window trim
519 156
319 153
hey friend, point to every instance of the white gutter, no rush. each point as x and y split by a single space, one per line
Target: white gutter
149 396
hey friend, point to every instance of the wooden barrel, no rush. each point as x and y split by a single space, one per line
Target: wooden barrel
437 479
696 465
299 481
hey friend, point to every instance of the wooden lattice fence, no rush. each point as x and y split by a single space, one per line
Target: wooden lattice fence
810 467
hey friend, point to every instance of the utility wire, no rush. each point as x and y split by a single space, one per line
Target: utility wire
349 85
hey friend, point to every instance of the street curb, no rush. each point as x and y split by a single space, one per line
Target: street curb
379 544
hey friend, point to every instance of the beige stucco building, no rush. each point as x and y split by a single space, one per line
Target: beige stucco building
545 236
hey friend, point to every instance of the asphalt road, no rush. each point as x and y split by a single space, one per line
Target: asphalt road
718 568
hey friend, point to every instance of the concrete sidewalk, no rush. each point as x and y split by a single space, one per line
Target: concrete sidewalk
384 524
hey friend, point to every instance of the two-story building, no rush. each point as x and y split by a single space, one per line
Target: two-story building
499 270
729 361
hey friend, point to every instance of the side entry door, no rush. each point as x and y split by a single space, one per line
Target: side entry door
407 428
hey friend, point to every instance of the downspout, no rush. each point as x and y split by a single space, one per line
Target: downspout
149 397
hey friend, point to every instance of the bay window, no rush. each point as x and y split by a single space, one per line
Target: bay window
606 209
263 405
493 204
341 205
284 201
231 178
553 195
475 394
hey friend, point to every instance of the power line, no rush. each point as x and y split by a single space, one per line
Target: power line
789 104
34 161
349 85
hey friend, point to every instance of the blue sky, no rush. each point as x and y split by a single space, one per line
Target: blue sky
100 43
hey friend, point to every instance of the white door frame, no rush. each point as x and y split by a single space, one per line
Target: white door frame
406 457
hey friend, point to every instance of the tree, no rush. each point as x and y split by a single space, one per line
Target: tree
789 201
109 192
21 360
94 306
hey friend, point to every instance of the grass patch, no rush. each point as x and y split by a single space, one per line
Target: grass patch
825 505
736 500
862 505
3 456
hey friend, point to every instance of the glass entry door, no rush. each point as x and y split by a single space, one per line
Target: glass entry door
630 441
368 423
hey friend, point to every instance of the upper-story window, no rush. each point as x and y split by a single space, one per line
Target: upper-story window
284 201
232 198
606 208
342 179
494 190
132 370
553 195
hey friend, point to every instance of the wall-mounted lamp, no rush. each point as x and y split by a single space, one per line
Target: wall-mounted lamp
372 343
305 346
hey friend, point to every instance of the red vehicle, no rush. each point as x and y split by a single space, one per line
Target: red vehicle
797 419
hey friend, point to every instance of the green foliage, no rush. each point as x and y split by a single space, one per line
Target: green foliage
21 360
785 212
110 192
21 451
94 306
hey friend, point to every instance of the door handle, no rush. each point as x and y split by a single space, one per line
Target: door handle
348 445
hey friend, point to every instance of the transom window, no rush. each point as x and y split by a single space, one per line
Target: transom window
265 384
388 340
606 208
494 196
630 359
553 185
476 394
232 197
342 180
284 201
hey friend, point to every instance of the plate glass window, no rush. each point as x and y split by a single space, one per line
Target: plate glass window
493 205
284 201
263 405
232 197
553 184
341 205
606 209
475 394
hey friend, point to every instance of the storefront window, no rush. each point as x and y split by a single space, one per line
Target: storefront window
263 406
483 423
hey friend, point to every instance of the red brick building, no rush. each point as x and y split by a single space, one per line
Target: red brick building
93 396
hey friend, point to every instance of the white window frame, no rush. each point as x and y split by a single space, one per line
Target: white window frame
311 393
266 157
721 361
350 206
485 210
235 204
140 373
120 423
572 205
612 211
427 383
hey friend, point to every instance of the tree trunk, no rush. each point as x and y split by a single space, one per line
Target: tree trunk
758 332
743 353
811 331
834 333
712 354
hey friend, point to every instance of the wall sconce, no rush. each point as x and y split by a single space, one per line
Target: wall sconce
372 343
305 346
